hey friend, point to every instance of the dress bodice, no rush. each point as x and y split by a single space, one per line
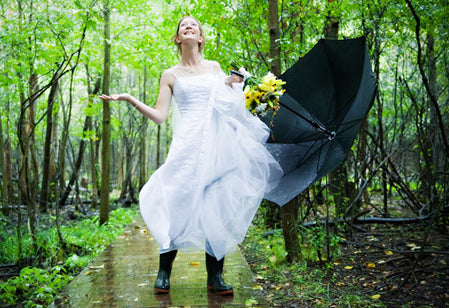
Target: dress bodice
192 93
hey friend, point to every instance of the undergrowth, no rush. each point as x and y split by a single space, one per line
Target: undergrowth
311 281
55 263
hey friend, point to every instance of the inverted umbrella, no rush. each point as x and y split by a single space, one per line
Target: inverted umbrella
328 94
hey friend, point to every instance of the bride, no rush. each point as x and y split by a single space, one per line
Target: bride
217 171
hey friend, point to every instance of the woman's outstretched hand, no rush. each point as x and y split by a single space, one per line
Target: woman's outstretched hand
115 97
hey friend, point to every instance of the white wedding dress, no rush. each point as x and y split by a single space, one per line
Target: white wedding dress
216 173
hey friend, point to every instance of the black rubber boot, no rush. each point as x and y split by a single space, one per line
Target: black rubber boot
162 284
215 281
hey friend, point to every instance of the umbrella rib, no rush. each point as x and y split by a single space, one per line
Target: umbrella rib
318 126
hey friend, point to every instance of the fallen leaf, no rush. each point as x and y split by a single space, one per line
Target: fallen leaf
195 264
388 252
375 296
349 267
251 302
89 273
371 265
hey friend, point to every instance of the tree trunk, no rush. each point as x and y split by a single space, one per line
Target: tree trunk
8 190
332 23
3 203
32 168
432 97
289 216
381 143
82 147
93 171
89 126
143 132
64 141
436 148
275 46
106 130
44 198
158 147
337 177
120 163
289 211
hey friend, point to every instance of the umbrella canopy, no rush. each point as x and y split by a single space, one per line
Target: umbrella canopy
328 94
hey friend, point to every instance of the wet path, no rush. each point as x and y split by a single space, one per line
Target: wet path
123 276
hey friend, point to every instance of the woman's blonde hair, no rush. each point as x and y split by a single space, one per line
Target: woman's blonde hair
200 45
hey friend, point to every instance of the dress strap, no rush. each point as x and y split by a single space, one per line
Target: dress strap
171 71
211 68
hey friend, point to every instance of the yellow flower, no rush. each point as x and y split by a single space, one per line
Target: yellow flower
269 79
279 82
257 96
249 97
264 87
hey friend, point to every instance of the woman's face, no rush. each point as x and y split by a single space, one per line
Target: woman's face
189 29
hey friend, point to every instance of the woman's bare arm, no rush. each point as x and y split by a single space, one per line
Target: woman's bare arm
160 112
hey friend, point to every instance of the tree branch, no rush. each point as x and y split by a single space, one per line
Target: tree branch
432 96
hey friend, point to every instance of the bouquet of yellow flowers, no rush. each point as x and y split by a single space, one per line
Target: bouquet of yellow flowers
262 94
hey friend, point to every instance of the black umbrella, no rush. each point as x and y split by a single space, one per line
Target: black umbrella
328 94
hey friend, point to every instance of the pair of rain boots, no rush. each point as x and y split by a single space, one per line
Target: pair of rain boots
215 282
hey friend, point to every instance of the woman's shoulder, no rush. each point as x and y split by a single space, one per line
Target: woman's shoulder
168 76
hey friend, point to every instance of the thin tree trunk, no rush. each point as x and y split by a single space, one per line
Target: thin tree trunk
158 147
289 212
142 139
120 164
93 171
436 147
32 169
433 98
87 126
44 198
64 141
7 175
106 131
92 147
275 46
337 177
3 200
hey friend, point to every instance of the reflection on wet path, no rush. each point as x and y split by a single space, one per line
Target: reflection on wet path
123 276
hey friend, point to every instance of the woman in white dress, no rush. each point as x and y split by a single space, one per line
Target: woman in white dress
217 170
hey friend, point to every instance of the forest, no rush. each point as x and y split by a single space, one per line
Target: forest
72 165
